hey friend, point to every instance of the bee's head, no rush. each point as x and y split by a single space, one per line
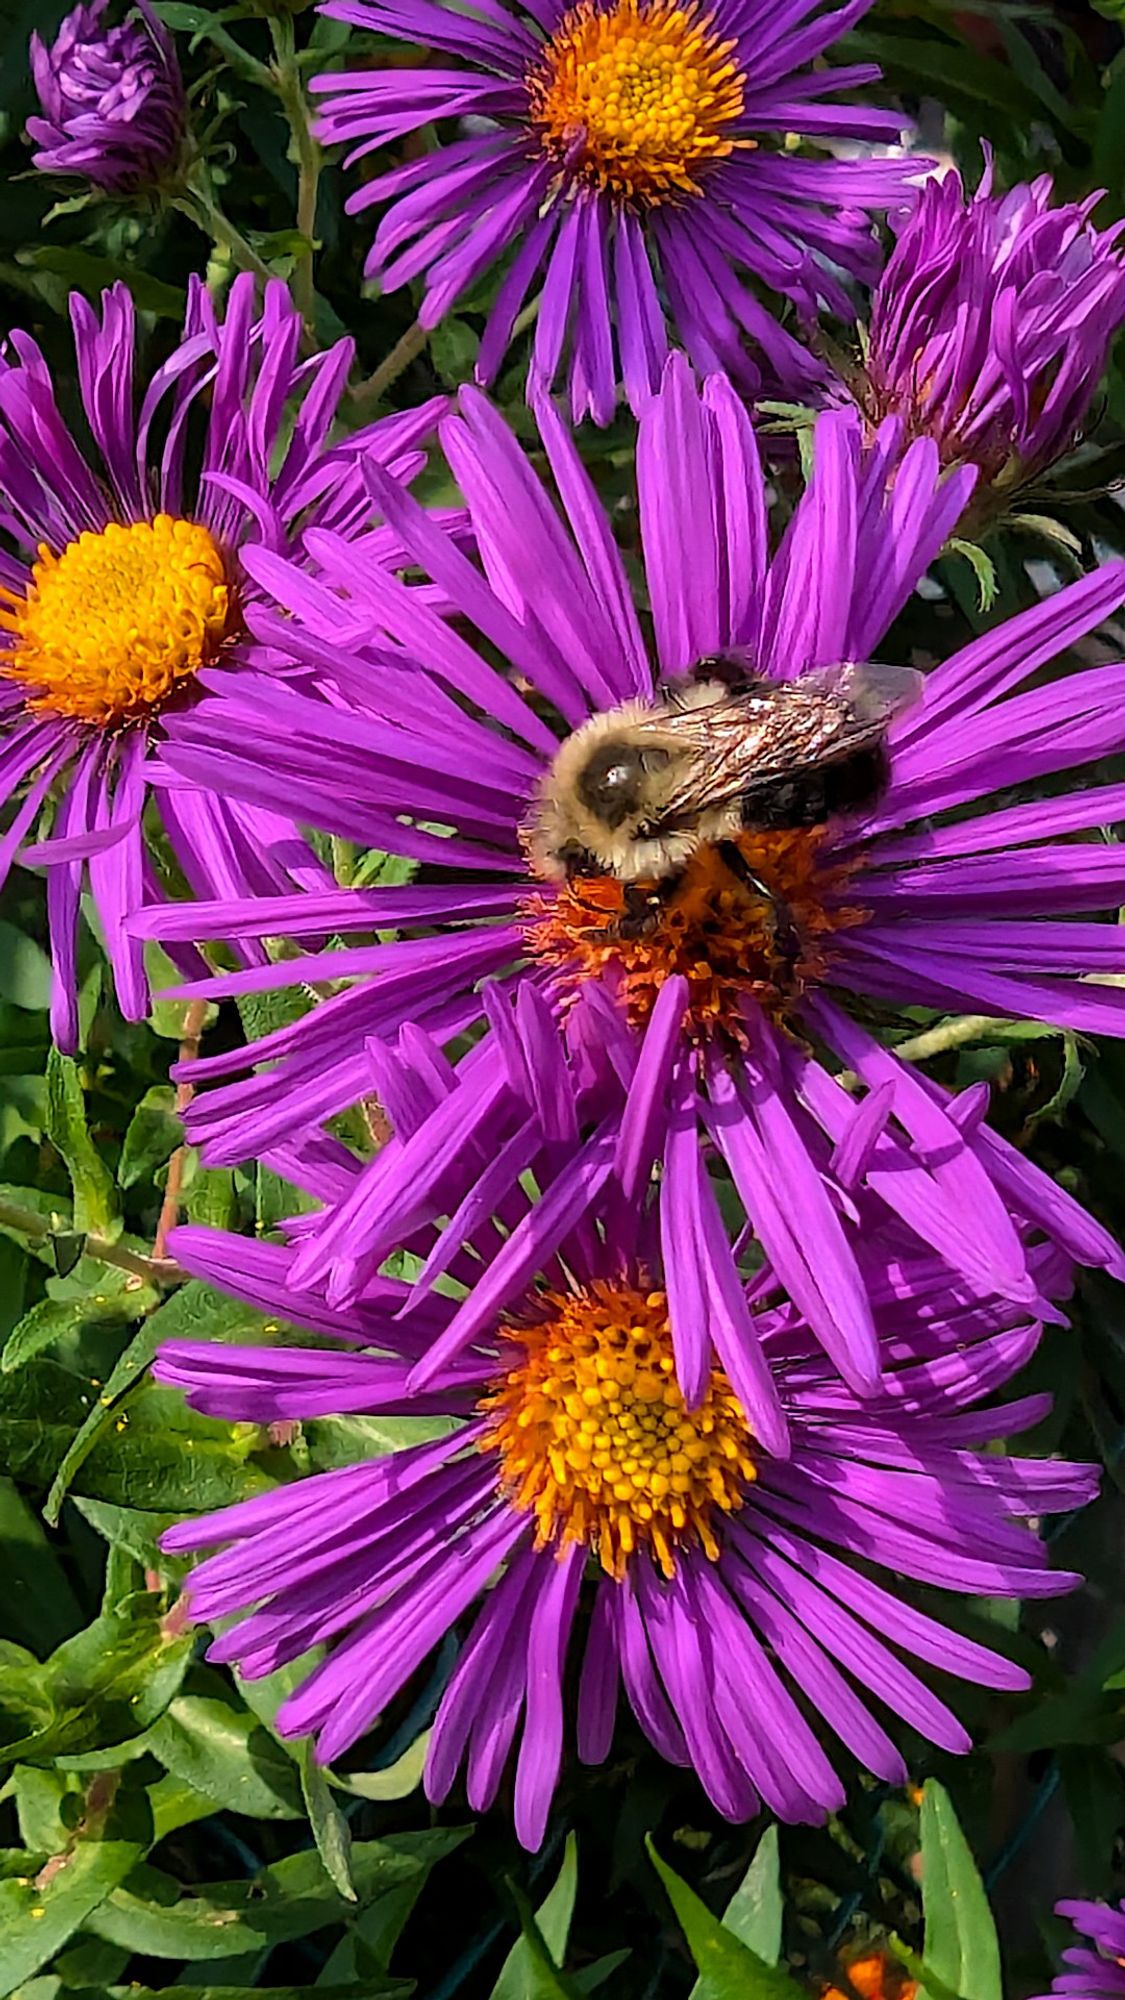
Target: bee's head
612 783
598 809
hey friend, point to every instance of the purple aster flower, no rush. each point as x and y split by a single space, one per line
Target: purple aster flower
729 1594
112 99
121 578
1098 1973
725 1030
991 324
630 150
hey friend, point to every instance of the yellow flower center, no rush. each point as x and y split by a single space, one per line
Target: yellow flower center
594 1437
110 627
731 943
638 96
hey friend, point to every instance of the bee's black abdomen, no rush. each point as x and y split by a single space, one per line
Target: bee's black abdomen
807 798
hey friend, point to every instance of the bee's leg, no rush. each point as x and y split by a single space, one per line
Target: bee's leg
785 935
643 910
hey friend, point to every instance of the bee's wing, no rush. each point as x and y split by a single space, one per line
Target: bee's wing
767 730
871 691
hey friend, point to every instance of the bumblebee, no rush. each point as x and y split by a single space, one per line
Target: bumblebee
637 791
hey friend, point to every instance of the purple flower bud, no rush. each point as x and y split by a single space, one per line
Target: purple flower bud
992 321
112 99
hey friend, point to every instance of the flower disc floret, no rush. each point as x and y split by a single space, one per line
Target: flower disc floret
596 1440
735 946
637 98
109 628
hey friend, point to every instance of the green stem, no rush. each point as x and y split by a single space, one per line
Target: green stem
38 1229
306 154
199 205
343 861
952 1034
390 368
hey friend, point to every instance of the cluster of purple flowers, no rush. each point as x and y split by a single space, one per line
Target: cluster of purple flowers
705 1292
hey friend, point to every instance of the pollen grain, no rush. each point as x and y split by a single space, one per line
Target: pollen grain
595 1439
111 626
638 97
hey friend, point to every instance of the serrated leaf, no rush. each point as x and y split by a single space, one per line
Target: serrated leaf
755 1911
728 1969
224 1753
517 1974
329 1827
95 1199
151 1136
960 1943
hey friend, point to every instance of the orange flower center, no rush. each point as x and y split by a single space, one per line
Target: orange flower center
876 1976
594 1436
733 944
111 626
638 96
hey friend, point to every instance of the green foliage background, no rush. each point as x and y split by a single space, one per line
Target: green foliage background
155 1835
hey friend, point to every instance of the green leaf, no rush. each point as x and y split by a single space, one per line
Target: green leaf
517 1974
210 1198
334 1441
924 1975
292 1898
194 1312
105 1685
25 970
396 1782
543 1979
120 1298
329 1827
1079 1715
383 1989
36 1921
95 1202
454 346
755 1911
168 1018
1046 529
161 1457
728 1969
93 275
226 1754
151 1136
37 1604
982 566
960 1944
595 1975
128 1528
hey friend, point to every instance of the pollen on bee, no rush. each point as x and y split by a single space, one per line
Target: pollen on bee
731 941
